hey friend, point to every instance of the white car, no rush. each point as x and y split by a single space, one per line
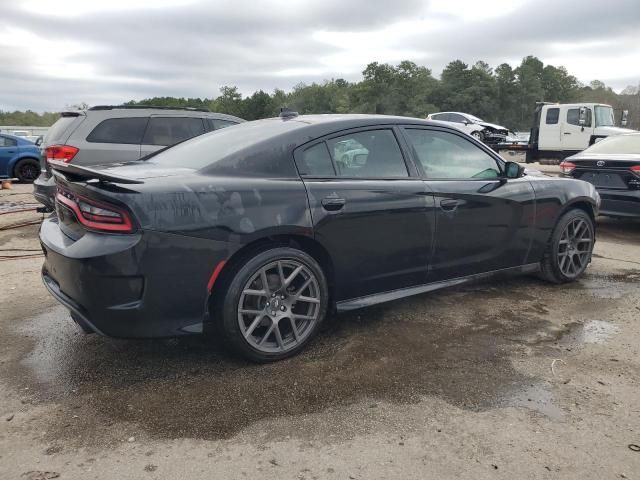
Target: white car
474 126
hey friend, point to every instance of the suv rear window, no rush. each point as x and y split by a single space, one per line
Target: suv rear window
217 124
119 130
59 131
167 131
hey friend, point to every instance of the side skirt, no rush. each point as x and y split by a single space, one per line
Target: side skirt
368 300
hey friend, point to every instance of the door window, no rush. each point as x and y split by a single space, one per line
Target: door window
446 155
573 117
553 114
442 117
369 154
119 130
8 142
454 117
316 162
167 131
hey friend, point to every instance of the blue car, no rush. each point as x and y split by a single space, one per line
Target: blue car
19 158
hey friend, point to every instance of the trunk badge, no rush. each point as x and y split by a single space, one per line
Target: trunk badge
600 163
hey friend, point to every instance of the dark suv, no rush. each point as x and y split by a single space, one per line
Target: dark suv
105 134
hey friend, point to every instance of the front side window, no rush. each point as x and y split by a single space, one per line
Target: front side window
553 115
119 130
445 155
454 117
369 154
573 117
167 131
442 117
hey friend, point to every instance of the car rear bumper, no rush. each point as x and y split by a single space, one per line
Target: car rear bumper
148 284
621 203
44 189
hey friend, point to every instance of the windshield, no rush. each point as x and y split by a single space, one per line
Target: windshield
604 116
618 144
220 147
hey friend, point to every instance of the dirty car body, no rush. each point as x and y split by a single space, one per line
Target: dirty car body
155 248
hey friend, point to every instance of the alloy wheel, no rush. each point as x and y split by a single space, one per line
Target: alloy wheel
29 172
574 248
279 306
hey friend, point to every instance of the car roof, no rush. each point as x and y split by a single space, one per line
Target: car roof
108 111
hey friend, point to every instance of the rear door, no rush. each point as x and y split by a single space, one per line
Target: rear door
8 150
483 220
574 135
164 130
370 210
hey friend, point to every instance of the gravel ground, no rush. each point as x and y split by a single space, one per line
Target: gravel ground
508 378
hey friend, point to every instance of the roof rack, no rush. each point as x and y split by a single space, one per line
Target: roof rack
133 107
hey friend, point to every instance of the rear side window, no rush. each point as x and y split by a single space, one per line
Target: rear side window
119 130
443 117
167 131
217 124
370 154
316 162
8 142
553 114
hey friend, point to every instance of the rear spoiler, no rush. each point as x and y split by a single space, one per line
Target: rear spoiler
76 172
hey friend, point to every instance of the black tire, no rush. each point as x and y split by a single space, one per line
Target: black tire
229 305
27 170
478 135
551 265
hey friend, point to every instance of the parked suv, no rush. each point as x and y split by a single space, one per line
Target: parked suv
106 134
486 132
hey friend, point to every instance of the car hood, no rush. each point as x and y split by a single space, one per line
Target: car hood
613 130
492 125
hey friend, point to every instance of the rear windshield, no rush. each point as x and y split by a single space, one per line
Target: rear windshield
59 131
617 144
220 146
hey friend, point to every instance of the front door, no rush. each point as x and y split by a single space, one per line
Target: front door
576 136
370 211
483 221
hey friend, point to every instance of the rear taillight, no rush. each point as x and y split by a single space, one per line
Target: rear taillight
64 153
635 169
96 215
567 167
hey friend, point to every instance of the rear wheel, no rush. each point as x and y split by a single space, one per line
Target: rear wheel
27 170
570 248
275 304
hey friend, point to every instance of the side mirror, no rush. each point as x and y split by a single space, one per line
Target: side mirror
466 122
623 121
582 119
360 158
38 141
513 170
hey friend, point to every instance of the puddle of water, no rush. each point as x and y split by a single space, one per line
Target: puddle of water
537 397
610 286
593 331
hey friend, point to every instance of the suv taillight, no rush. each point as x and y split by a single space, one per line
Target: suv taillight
96 215
635 169
567 167
63 153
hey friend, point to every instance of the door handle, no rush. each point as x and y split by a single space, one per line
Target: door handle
333 204
567 133
450 205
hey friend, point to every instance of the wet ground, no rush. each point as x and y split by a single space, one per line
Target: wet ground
508 378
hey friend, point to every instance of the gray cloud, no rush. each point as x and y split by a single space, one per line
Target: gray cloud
193 50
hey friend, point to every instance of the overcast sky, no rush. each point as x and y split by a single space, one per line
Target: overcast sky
60 52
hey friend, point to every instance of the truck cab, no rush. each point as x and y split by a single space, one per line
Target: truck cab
561 130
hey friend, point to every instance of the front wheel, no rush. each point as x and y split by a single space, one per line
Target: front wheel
478 135
570 247
275 304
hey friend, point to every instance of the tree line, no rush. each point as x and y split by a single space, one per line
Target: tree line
503 95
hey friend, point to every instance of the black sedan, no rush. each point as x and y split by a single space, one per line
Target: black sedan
257 231
613 166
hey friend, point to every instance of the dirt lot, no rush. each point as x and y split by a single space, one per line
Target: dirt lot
509 378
